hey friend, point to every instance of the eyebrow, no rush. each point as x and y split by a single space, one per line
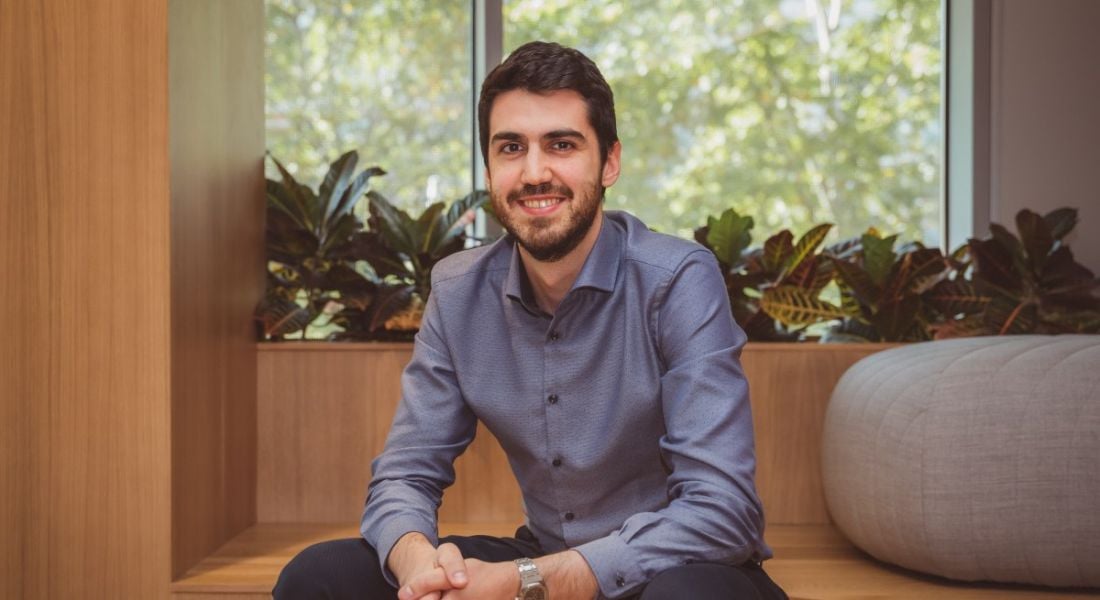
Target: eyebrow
511 136
564 133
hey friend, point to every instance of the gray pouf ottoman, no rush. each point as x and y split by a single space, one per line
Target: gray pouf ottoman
976 459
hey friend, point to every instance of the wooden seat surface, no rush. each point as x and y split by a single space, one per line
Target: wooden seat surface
813 562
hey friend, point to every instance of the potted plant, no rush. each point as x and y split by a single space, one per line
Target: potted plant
1001 285
774 290
1025 284
401 251
326 268
887 295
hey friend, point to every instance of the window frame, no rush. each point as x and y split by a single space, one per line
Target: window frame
965 85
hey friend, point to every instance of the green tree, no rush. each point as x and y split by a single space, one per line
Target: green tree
388 78
793 112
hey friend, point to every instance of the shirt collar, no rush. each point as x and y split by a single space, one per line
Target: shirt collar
600 270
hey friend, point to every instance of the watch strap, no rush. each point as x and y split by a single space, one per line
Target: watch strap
528 575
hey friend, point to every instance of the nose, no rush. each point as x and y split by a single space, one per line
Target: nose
536 168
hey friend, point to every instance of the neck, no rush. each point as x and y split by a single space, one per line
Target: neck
551 281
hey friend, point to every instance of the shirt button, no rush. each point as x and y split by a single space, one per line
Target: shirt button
619 581
569 516
552 399
554 336
556 462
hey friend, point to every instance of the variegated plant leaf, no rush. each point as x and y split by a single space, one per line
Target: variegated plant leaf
857 280
795 307
807 245
894 319
955 297
778 250
281 316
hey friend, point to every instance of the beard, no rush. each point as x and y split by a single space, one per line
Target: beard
546 239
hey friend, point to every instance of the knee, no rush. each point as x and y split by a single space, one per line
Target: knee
302 577
320 571
701 581
677 582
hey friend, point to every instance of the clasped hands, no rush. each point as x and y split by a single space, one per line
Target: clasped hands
428 573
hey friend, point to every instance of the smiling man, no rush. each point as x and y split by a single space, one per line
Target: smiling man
601 355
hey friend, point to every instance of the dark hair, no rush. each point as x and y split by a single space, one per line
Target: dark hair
546 67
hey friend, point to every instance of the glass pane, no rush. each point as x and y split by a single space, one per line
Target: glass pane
389 78
794 112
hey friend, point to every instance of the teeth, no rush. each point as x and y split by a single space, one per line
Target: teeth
539 203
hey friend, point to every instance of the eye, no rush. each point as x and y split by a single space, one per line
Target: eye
562 145
510 148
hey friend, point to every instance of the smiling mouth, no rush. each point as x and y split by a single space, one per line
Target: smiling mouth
541 197
540 202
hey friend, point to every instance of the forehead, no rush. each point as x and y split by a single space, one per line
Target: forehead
533 114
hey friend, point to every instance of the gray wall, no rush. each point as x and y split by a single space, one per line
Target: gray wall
1045 114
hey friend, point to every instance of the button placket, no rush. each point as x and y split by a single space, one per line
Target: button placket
553 372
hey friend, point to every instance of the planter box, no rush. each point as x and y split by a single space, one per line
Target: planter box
324 410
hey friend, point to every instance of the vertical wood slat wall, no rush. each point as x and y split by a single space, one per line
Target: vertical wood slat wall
217 195
325 409
84 255
122 374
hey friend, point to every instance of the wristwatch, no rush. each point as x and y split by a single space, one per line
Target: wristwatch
531 586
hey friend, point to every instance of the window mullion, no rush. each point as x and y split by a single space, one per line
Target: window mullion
488 45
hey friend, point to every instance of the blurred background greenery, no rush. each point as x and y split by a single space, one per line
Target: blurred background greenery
795 112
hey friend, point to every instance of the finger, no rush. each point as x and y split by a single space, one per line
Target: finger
423 584
449 557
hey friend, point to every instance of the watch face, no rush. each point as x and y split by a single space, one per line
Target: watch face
535 592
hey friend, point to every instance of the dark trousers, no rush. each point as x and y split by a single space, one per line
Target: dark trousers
350 569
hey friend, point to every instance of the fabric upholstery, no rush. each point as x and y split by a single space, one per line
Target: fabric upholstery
974 459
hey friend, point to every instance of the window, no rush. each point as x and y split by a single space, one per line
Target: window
792 111
386 77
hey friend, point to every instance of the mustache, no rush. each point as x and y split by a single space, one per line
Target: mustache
541 189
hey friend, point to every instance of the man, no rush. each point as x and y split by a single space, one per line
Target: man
602 356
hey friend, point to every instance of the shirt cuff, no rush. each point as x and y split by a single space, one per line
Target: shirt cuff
386 536
614 564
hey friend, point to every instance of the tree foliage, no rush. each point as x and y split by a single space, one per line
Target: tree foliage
388 78
794 111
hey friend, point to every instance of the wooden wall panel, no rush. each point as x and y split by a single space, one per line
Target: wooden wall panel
322 416
217 206
324 410
84 257
24 253
790 385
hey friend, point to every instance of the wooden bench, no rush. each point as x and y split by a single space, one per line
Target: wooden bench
812 562
316 434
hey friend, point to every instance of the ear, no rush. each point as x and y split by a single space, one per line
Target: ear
612 164
488 180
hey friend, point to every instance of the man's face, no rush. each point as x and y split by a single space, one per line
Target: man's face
544 172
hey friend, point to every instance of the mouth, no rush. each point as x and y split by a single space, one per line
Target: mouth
540 205
540 201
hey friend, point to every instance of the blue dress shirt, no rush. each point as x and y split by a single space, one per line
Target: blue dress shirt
625 415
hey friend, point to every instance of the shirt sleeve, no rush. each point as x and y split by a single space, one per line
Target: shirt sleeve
432 426
714 514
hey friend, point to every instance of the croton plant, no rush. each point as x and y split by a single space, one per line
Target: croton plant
326 267
364 272
1006 284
